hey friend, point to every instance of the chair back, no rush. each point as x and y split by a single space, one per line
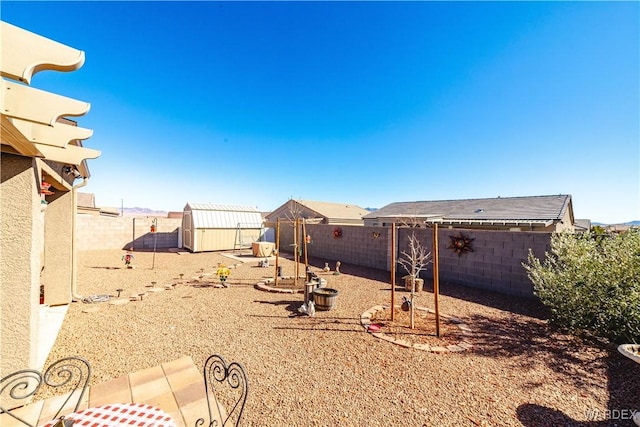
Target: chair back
227 388
68 375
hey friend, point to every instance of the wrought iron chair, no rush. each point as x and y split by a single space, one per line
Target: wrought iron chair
70 375
227 388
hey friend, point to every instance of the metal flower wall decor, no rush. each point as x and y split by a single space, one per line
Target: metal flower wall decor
461 243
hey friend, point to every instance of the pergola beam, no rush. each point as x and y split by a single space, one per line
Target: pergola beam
25 53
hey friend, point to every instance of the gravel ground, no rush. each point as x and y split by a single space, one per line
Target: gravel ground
326 371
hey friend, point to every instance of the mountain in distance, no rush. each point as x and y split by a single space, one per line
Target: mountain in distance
136 211
635 223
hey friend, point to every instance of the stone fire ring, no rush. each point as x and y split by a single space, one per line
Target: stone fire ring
265 285
464 345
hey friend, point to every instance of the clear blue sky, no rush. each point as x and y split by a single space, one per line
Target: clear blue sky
365 103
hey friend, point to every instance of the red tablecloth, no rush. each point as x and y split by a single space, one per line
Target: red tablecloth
119 414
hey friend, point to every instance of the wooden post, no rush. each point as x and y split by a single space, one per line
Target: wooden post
304 237
436 282
393 271
277 247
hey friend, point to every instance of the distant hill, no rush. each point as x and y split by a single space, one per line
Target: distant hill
628 224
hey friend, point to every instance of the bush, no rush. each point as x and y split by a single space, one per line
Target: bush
592 282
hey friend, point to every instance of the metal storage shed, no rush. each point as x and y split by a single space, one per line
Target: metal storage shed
211 227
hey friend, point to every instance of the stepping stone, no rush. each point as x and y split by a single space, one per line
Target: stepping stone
91 310
155 290
119 302
439 349
135 297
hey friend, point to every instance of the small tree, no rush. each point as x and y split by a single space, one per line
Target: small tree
294 217
414 262
591 283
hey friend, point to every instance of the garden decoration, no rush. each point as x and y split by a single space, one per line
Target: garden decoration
325 298
44 189
223 272
326 268
337 272
461 244
127 258
337 233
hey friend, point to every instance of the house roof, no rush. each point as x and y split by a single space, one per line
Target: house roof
583 224
320 210
542 210
209 215
335 210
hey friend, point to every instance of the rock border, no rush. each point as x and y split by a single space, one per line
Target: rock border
464 345
264 286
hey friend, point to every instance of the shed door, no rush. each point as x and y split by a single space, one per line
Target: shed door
186 233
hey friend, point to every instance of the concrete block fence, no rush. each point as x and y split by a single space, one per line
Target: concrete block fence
103 232
494 264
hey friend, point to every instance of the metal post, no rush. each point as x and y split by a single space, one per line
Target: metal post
393 271
155 240
296 256
436 284
277 247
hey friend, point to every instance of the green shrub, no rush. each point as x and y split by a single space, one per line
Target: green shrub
591 282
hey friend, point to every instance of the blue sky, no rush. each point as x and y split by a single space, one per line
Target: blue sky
365 103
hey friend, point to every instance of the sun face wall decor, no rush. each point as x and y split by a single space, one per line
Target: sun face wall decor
461 244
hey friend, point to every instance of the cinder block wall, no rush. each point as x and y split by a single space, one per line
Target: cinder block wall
103 232
495 263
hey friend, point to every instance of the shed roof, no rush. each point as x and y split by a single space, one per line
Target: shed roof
209 215
527 209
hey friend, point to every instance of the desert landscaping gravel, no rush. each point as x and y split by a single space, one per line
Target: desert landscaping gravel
327 370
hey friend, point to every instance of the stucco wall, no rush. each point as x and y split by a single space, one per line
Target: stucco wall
21 246
495 263
57 272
